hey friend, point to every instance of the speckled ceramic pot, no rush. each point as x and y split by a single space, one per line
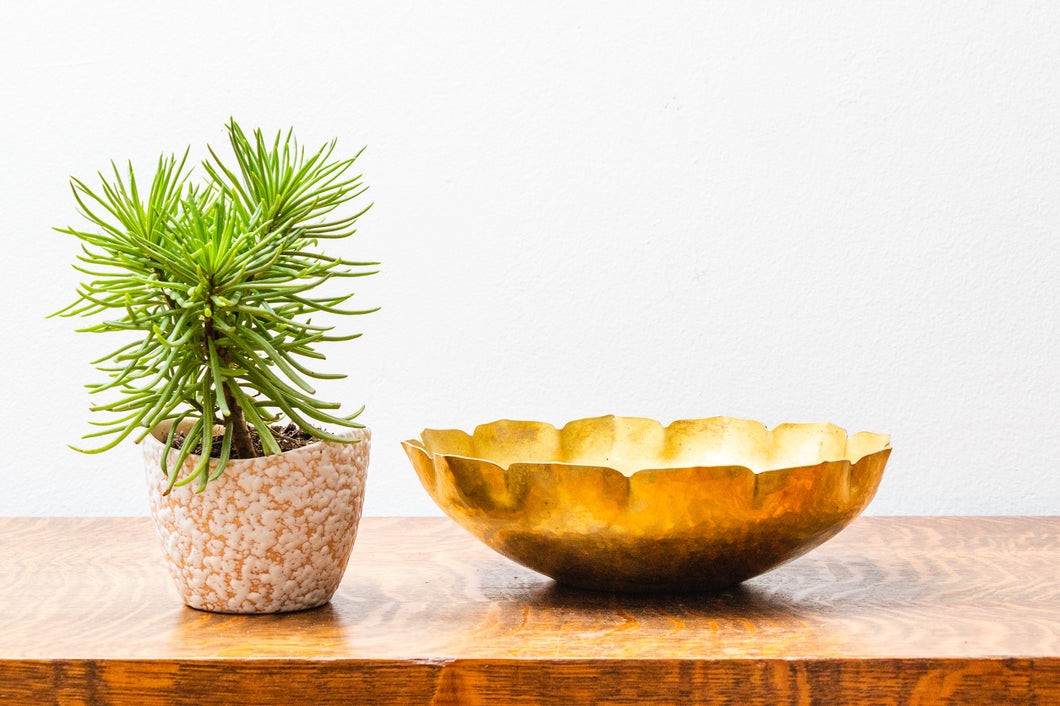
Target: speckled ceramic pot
271 535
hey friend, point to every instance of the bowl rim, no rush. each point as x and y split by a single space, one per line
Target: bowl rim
537 465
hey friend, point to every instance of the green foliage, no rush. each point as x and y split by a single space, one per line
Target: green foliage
217 280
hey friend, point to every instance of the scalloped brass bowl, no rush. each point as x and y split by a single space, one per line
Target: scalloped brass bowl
625 504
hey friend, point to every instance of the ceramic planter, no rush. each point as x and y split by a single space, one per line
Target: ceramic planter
272 534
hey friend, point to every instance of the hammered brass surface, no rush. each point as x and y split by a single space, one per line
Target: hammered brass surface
625 504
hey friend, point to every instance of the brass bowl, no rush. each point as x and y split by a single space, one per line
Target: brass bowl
625 504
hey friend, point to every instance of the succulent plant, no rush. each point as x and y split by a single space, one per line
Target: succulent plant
217 283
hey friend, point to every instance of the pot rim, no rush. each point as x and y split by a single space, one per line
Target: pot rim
152 440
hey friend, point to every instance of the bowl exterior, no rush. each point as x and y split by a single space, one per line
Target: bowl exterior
272 534
664 529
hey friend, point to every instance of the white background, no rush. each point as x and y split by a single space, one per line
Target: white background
808 211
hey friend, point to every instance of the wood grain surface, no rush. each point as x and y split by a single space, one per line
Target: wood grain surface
892 611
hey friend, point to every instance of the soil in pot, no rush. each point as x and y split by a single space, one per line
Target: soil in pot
288 437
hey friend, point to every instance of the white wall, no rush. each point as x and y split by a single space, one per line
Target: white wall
838 211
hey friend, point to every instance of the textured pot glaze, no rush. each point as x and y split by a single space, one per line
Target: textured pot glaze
272 534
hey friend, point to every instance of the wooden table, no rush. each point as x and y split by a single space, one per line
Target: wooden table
893 611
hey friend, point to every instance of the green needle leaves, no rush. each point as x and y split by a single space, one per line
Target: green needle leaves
218 279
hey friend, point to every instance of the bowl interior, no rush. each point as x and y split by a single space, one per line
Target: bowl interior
629 444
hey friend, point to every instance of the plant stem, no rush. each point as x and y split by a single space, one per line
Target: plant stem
241 443
242 446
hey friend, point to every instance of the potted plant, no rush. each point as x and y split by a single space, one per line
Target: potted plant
215 287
